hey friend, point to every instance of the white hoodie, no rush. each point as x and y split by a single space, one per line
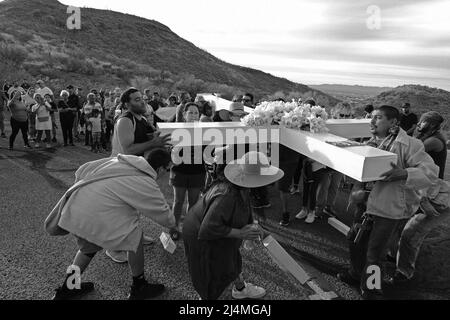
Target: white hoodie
106 212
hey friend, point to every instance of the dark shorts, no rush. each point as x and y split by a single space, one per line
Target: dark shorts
87 247
289 169
188 181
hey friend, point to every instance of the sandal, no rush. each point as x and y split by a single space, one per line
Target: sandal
174 235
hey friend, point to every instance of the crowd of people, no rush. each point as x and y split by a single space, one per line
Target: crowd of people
391 217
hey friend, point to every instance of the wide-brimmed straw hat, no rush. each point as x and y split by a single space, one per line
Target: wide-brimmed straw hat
253 170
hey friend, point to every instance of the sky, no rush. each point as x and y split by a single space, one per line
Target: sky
364 42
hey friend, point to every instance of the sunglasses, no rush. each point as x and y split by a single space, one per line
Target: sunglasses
345 116
246 100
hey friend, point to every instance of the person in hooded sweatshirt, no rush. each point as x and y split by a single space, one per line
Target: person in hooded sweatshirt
102 211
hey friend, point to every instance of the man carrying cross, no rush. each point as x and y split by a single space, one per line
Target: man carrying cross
392 201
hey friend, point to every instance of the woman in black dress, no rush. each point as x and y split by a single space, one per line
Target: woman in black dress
216 226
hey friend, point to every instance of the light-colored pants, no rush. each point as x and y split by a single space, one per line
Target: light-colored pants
327 189
412 238
75 125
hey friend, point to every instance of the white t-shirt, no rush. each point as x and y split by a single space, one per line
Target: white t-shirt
42 112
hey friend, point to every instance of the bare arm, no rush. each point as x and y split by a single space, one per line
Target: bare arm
125 134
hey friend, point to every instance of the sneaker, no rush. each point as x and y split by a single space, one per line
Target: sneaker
37 145
63 293
285 220
27 146
311 217
249 292
117 256
146 291
174 234
302 214
148 240
320 214
48 146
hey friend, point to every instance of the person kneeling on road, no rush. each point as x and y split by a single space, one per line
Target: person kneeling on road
102 211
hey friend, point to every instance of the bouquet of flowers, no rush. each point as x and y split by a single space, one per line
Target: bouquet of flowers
289 114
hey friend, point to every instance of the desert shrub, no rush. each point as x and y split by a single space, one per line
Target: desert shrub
49 72
190 84
225 91
277 95
75 65
141 83
123 74
12 73
23 36
12 54
33 69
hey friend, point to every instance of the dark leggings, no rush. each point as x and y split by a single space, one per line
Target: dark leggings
310 189
67 127
16 127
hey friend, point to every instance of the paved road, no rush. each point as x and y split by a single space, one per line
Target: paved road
32 264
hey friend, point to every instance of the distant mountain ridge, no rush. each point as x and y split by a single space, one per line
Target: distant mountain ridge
115 48
421 98
342 92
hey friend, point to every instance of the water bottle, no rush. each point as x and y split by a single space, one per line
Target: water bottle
251 244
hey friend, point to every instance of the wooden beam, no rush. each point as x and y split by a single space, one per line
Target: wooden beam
362 163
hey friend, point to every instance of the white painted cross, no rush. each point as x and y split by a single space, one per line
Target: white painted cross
362 163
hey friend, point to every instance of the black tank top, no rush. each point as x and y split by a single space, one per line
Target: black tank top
142 128
440 157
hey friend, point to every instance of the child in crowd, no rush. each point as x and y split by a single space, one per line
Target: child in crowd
95 126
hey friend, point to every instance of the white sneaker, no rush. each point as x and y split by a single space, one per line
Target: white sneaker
311 217
37 145
118 256
302 214
48 146
249 292
148 240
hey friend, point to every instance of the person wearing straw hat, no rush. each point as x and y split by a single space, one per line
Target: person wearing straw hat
214 229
